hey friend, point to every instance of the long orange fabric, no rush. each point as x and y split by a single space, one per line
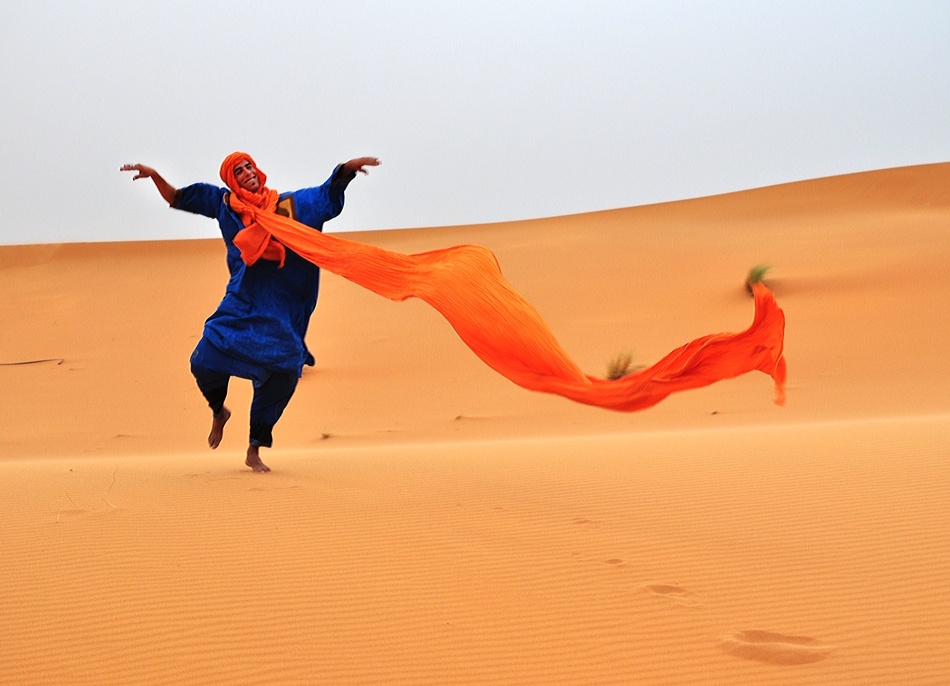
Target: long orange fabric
255 242
465 285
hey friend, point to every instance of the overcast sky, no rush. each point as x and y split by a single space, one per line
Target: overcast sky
480 111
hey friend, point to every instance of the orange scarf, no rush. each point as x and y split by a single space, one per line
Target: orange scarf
253 240
465 284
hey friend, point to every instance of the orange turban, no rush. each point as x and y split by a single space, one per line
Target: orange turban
253 241
227 170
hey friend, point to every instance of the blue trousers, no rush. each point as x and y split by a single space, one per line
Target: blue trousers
213 370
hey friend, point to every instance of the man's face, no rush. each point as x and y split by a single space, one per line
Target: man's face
245 174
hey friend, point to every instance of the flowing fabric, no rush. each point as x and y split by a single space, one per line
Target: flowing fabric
255 242
465 285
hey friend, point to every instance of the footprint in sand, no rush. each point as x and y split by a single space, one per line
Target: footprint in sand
680 595
666 589
610 561
775 649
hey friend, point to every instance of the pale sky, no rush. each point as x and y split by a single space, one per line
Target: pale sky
480 111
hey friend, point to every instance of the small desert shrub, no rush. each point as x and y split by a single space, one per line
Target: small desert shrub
620 366
756 275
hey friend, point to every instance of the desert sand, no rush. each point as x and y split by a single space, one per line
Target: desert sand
429 522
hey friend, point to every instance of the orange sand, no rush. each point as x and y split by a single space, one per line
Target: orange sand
428 522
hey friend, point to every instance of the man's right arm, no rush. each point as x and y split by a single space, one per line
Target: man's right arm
167 191
198 198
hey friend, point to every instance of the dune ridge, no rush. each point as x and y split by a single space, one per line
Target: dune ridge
429 522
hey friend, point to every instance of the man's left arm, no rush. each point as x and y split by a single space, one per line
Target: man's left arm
314 206
346 172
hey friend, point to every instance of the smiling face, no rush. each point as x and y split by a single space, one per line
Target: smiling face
247 176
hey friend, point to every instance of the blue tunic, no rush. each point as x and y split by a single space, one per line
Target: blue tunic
266 310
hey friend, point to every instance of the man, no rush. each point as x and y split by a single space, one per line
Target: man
258 330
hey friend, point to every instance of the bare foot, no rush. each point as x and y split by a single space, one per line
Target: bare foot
254 460
217 427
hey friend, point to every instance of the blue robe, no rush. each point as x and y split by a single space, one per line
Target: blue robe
263 318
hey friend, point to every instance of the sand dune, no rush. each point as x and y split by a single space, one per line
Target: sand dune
428 522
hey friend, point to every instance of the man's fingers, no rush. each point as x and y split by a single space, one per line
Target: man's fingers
367 162
143 171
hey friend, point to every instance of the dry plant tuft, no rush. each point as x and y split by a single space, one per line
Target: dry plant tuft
620 366
756 275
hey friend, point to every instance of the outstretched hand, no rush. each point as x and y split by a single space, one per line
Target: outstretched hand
358 164
167 191
143 171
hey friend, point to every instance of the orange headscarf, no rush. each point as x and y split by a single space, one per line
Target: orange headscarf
253 241
465 285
